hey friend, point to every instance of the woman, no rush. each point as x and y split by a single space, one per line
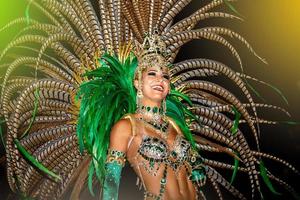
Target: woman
149 134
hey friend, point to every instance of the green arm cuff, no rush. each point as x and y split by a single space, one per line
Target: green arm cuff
113 168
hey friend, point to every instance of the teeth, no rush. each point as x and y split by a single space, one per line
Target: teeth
159 88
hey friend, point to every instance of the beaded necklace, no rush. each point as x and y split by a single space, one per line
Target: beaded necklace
157 120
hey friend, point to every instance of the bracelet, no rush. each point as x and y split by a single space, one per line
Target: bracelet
115 156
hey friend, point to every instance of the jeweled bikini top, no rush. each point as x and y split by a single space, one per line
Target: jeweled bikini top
156 150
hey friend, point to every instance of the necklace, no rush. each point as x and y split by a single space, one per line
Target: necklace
154 112
160 129
156 120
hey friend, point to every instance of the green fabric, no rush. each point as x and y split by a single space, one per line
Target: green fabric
112 181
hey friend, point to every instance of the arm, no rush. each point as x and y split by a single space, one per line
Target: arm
116 158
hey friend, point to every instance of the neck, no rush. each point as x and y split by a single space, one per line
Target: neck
150 113
150 103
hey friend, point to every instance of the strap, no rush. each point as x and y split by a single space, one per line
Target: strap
133 127
173 123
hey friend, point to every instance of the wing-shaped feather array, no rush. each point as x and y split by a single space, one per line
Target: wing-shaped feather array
69 43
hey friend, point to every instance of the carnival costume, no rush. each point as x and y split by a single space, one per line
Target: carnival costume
59 119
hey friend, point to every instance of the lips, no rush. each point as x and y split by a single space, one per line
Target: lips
159 88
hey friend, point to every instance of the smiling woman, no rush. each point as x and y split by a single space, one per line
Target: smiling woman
101 87
152 142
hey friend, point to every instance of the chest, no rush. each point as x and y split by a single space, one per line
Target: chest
156 149
151 150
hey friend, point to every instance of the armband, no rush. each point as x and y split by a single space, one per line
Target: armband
115 156
115 161
197 174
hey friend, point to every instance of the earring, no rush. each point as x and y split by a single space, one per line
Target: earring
164 107
139 94
138 97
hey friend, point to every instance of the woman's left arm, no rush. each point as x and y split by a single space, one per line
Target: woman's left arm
116 158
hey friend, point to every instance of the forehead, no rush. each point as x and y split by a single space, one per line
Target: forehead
158 69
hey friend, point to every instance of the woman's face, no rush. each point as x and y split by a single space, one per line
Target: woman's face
155 85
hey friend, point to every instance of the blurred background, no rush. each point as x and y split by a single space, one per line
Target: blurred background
272 27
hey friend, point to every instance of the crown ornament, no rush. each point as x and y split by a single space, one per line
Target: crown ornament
152 52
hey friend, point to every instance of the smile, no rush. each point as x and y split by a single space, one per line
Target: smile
158 88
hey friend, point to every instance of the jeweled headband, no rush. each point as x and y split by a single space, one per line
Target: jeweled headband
152 52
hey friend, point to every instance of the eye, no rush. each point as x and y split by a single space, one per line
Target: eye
166 77
151 73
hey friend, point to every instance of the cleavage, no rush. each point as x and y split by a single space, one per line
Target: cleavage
153 148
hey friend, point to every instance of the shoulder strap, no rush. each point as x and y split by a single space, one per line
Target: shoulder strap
132 122
133 132
173 123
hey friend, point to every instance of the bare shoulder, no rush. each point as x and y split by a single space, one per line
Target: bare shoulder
120 134
122 127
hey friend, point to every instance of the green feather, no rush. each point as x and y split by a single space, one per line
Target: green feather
272 87
27 16
234 128
36 103
254 90
105 98
235 170
1 133
232 7
90 179
33 160
179 113
290 122
181 95
280 93
263 173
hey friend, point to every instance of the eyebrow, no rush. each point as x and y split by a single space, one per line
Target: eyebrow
152 70
157 71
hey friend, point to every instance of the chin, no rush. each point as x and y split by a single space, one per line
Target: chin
155 96
158 99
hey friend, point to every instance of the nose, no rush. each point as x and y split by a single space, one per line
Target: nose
159 78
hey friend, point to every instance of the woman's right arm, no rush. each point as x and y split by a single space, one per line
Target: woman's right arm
116 158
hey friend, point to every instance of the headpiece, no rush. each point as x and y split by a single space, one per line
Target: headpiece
152 52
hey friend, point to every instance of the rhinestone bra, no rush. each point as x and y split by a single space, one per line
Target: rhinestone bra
156 150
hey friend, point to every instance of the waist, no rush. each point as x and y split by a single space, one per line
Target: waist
167 184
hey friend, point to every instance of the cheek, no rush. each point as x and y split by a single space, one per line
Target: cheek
145 81
167 85
146 84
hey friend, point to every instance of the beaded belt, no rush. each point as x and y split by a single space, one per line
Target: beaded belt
163 183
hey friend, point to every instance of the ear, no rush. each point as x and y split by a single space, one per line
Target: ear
136 84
